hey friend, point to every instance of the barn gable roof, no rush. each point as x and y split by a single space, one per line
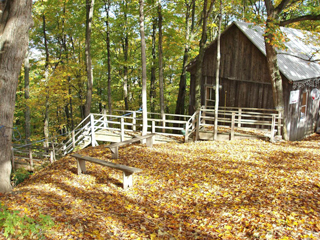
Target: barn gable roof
298 62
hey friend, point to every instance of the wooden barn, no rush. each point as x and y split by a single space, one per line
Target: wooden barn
245 79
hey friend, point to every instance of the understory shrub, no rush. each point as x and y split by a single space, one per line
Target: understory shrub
13 223
20 175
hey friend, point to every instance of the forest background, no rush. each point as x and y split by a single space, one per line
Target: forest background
53 84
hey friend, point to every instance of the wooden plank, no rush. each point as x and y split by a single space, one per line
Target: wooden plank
107 164
132 140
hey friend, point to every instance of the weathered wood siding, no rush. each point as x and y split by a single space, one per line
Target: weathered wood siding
297 126
243 73
246 82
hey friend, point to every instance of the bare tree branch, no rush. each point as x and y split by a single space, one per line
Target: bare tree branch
299 19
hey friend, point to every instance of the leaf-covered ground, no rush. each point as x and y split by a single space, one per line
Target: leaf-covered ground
244 189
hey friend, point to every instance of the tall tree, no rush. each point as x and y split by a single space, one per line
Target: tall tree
107 9
14 25
190 10
153 66
27 97
161 81
144 70
89 17
46 74
205 15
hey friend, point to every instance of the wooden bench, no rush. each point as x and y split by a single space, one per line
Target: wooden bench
114 147
127 171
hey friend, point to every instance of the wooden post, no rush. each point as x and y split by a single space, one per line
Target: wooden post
239 117
150 141
121 129
81 166
279 123
127 180
93 136
51 156
105 118
114 152
163 123
53 151
30 157
273 127
134 121
153 126
186 133
198 125
233 119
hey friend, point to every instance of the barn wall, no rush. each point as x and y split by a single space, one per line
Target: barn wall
243 73
297 126
246 83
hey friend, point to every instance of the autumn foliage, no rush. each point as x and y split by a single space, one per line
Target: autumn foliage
243 189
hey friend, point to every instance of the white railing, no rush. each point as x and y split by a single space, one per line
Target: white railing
242 119
129 121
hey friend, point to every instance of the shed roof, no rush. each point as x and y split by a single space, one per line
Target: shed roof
298 61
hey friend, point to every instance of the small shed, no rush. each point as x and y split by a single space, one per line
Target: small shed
246 82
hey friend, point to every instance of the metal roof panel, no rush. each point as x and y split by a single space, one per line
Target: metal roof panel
296 62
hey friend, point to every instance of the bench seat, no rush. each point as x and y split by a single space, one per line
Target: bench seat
127 171
114 147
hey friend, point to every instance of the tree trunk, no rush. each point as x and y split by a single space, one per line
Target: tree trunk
14 25
180 105
153 67
46 75
161 81
216 106
205 15
125 52
27 96
144 70
272 60
89 16
107 9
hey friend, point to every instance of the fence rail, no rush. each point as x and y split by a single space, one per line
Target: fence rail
242 118
168 124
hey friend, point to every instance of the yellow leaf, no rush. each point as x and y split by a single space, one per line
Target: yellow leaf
228 227
153 236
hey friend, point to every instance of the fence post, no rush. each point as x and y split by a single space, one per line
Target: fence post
53 151
279 123
105 119
153 127
186 133
121 129
239 117
273 127
232 125
51 156
134 121
30 157
93 136
198 125
163 123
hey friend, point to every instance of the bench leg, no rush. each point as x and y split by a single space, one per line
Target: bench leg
127 180
149 142
81 165
114 153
